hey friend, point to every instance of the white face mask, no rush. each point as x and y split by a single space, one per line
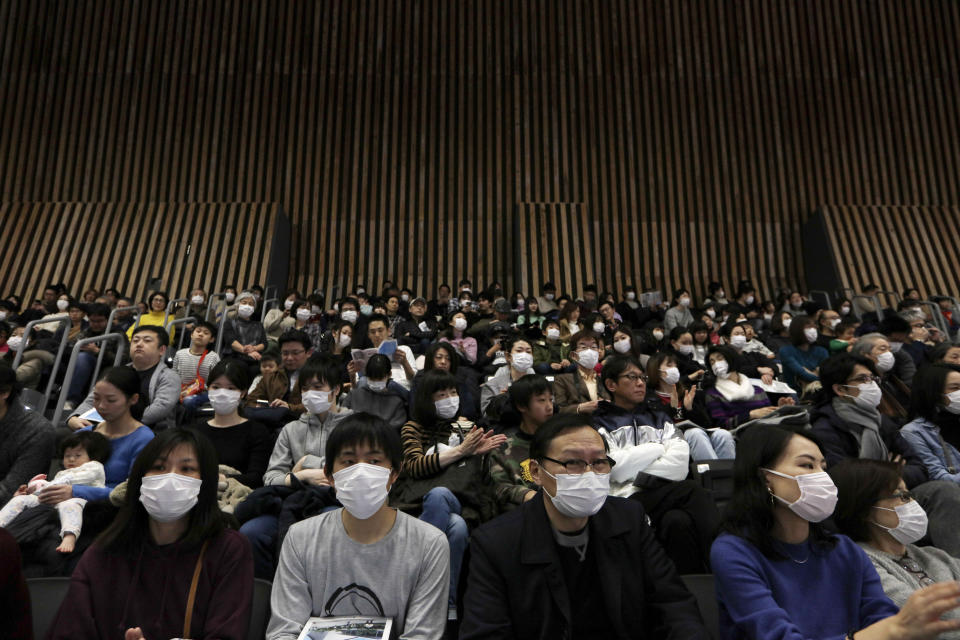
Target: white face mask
548 296
670 375
229 297
912 523
288 304
169 496
685 301
885 361
3 316
844 310
376 385
711 313
245 311
738 341
895 346
522 361
460 324
870 395
349 316
749 300
631 295
588 358
224 401
579 495
954 402
344 340
314 309
818 495
14 342
197 299
721 369
317 402
787 322
362 488
720 295
366 309
553 333
834 322
599 327
303 314
62 305
447 407
405 297
658 335
768 317
685 349
622 345
361 290
811 334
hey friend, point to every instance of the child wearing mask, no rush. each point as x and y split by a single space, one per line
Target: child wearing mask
82 455
378 394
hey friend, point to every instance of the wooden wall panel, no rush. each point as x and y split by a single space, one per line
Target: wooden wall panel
555 242
124 245
896 247
401 136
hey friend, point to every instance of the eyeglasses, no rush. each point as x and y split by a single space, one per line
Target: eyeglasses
903 496
576 467
634 377
864 379
290 354
914 567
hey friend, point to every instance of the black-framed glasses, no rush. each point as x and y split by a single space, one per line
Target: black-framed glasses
634 377
914 568
864 379
902 496
290 354
576 467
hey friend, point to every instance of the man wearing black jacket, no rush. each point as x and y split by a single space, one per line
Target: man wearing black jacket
573 563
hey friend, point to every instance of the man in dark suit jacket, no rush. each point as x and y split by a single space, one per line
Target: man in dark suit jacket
570 389
573 563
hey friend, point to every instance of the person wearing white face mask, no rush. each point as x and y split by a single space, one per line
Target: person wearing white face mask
244 336
551 354
298 454
169 545
734 399
547 299
678 315
889 366
933 431
241 443
519 356
561 540
580 391
366 559
802 357
876 511
682 349
770 560
284 318
377 394
455 334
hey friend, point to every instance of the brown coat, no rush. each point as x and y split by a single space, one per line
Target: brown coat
273 386
569 390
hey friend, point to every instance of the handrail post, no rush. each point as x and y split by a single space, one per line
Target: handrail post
72 364
223 321
210 307
267 303
58 319
170 305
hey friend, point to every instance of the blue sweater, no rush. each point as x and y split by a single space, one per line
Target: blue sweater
794 360
123 452
835 591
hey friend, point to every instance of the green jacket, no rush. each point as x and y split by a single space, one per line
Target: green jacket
549 352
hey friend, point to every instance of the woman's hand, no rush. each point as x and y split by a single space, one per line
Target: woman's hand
919 618
134 634
55 494
786 401
21 490
478 442
76 423
688 398
696 375
588 407
762 412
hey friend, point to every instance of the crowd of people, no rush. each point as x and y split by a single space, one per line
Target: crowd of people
529 465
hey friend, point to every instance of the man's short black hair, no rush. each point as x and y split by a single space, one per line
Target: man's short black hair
324 369
209 326
524 389
162 336
97 309
893 323
615 366
378 317
95 444
368 429
555 427
296 335
378 367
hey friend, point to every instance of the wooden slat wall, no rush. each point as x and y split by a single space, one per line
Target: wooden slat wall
401 136
554 242
123 245
896 247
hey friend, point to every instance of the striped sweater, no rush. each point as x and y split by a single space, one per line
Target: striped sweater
731 414
416 439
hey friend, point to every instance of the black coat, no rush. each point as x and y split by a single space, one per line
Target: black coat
516 588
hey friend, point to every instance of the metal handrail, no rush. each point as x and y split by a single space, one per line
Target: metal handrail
72 364
276 291
58 319
172 303
179 321
896 297
937 317
211 306
876 303
266 304
223 321
825 294
114 312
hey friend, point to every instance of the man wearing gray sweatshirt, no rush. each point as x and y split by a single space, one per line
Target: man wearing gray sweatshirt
366 559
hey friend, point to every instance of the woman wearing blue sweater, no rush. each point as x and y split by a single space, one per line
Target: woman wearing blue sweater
802 357
780 576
